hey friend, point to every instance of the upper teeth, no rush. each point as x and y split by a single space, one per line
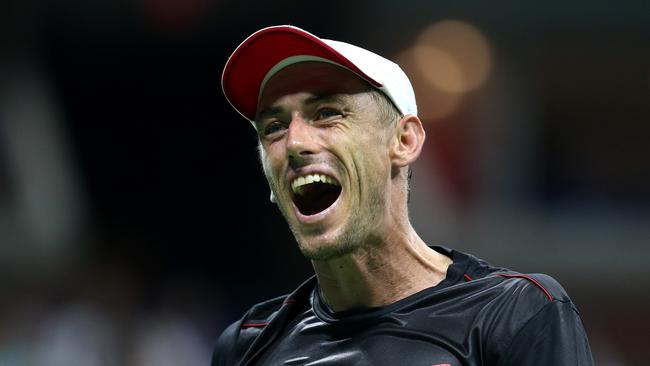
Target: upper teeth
311 178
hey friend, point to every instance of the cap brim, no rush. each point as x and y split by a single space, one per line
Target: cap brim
249 64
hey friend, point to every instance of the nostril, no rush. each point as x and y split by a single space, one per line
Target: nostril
299 156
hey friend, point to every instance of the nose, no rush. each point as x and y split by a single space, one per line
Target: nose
301 141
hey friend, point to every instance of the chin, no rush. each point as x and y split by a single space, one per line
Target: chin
322 250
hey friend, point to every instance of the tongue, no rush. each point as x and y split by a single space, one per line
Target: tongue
316 197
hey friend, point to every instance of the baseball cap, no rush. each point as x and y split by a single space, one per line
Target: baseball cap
269 50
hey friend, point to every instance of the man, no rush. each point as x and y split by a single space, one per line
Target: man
338 129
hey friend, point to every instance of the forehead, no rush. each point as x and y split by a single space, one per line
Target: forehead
311 78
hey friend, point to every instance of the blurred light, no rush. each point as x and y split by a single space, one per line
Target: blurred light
453 56
433 103
439 68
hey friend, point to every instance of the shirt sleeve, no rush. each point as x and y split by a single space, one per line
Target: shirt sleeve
554 336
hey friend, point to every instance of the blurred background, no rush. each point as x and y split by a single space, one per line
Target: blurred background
135 223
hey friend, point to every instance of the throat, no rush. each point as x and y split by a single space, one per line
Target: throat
359 281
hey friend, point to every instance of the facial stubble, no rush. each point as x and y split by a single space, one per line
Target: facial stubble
357 231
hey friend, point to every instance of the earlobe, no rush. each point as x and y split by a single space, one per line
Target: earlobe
409 139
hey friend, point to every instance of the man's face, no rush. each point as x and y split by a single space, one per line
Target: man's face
325 154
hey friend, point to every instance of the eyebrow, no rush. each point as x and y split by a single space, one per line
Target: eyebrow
267 112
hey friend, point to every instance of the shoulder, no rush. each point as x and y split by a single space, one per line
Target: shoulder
518 297
238 337
509 303
535 287
550 324
524 307
262 320
534 283
522 297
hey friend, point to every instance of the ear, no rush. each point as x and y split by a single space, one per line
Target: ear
408 141
272 198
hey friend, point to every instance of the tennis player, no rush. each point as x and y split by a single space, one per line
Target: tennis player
338 128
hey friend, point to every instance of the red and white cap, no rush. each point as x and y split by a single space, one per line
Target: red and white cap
271 49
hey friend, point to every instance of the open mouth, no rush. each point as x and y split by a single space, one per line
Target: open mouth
313 193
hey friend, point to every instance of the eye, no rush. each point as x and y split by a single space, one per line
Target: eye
327 113
273 127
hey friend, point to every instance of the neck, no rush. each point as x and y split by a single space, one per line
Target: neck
380 273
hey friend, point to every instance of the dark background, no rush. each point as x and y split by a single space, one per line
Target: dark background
134 218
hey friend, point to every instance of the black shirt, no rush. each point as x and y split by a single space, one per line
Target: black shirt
478 315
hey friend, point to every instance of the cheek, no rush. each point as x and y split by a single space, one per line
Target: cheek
271 163
374 160
266 164
368 151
